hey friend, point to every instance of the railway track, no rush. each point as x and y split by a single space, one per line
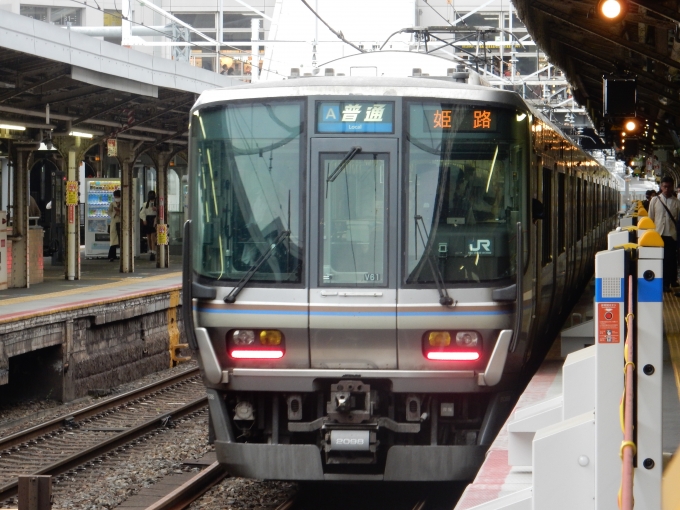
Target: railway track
68 442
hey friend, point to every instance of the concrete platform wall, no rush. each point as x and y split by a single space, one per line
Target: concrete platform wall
100 347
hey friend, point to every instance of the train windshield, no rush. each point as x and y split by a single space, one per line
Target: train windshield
466 165
353 227
246 162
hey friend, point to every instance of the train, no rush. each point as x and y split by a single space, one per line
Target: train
374 266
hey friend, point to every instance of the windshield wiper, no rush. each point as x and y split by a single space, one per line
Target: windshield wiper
345 161
444 298
231 297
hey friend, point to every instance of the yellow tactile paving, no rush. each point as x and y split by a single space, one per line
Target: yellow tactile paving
671 324
89 289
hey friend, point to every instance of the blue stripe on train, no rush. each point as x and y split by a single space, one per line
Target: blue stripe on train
346 314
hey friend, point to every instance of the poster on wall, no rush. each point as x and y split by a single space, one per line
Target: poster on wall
161 234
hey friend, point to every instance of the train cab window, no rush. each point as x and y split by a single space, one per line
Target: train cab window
466 168
353 229
247 160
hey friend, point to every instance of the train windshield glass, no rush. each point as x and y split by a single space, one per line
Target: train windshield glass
246 161
466 166
353 225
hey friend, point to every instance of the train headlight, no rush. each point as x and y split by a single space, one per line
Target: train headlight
244 337
467 338
270 337
439 338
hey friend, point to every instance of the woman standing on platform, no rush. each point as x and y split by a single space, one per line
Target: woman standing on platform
114 226
148 217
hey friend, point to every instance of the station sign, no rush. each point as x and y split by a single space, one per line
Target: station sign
112 147
355 117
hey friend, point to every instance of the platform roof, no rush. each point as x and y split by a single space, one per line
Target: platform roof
93 86
639 45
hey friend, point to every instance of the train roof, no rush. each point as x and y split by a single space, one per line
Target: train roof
428 87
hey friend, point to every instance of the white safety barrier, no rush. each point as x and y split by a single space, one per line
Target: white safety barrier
574 443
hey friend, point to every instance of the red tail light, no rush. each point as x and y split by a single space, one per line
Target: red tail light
453 355
255 344
452 345
256 354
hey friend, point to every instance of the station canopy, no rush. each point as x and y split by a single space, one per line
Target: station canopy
54 80
643 43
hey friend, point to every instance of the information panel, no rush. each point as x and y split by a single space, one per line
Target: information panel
355 117
458 119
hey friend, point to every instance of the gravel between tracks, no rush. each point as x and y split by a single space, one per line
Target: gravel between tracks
105 486
19 416
238 493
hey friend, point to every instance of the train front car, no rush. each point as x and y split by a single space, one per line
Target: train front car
353 264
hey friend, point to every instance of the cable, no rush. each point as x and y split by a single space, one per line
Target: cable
439 14
337 34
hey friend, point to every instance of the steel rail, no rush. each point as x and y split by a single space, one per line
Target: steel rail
61 466
192 489
287 505
93 410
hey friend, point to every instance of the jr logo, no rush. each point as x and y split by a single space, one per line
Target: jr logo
483 246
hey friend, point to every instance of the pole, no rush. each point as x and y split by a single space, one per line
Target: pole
255 50
628 445
73 221
220 32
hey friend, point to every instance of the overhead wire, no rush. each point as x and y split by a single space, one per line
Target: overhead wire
339 35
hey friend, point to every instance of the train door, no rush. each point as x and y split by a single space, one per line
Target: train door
353 253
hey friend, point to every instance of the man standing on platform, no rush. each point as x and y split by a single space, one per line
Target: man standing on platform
664 210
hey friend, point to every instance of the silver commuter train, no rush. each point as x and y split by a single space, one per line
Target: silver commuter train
351 269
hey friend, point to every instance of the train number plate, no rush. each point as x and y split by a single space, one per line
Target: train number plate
350 440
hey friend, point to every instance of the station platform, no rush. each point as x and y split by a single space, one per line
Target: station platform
497 478
63 339
101 282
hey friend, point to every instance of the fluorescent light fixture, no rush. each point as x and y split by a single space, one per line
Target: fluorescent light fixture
44 147
80 134
521 117
13 127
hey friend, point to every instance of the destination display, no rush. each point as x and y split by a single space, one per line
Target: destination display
461 120
355 117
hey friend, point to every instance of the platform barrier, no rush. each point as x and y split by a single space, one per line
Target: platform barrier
580 453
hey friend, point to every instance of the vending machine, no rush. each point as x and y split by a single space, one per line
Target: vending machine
98 196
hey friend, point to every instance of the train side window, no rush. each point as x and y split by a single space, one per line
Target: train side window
547 217
586 206
561 219
579 209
